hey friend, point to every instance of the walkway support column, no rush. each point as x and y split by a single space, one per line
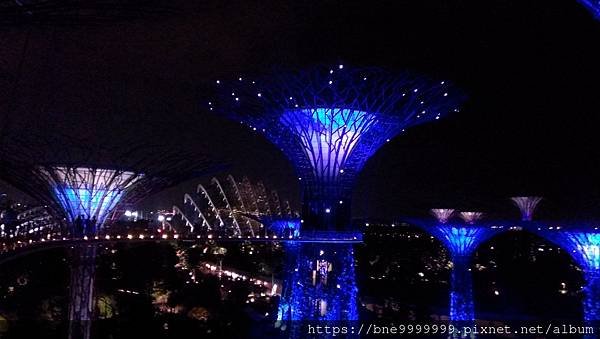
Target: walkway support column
81 291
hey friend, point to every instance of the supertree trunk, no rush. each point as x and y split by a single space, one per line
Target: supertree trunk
462 310
320 285
591 302
81 293
326 207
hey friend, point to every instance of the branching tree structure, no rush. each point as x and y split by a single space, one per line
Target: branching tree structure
527 206
471 217
442 214
82 183
461 241
329 122
583 244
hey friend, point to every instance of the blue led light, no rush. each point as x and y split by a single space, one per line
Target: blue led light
88 204
461 241
328 136
329 121
320 283
286 227
593 6
88 194
584 248
461 290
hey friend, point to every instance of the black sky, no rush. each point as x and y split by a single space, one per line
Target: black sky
531 70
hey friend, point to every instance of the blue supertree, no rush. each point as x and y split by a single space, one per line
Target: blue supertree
461 241
584 247
593 6
328 122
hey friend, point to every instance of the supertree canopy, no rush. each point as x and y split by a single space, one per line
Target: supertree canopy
87 193
329 121
82 183
471 217
527 206
461 241
583 244
442 214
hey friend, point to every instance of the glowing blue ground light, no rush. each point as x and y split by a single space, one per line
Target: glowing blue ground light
584 248
320 285
461 241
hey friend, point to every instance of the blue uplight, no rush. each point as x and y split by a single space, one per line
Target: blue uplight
88 194
320 283
329 121
461 290
89 204
286 227
584 248
461 241
328 136
593 6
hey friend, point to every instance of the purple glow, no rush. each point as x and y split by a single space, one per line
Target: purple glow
328 136
527 206
471 217
90 193
442 214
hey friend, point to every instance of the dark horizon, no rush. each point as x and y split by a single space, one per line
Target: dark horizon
527 128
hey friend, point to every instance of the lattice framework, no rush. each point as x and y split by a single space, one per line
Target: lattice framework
329 121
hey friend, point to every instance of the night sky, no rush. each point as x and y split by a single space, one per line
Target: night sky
530 68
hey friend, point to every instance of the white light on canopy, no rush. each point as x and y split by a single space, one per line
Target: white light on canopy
328 135
89 192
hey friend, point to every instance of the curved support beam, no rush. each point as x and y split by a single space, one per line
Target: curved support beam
177 211
238 197
250 191
263 198
202 190
188 198
236 225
